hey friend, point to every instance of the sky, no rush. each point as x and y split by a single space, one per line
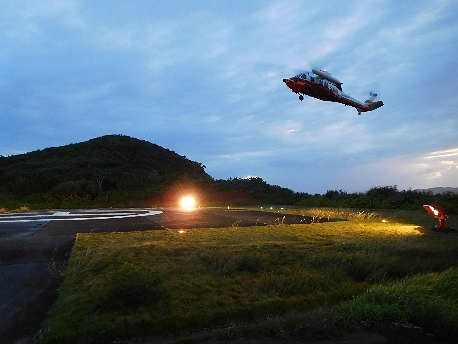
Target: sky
204 79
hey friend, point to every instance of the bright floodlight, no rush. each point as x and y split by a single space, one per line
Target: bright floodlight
188 202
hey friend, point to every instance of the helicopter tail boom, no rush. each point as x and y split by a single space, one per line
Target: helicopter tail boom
372 106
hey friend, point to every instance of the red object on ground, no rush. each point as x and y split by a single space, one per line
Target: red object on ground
438 212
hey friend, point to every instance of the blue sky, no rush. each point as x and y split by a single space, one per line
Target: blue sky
204 79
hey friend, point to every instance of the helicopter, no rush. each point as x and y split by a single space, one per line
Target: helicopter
322 85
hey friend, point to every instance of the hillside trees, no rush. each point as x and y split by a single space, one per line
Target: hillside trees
111 168
258 190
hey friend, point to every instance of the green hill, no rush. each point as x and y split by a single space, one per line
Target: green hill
108 170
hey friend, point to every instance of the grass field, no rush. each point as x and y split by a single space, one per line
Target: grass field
309 281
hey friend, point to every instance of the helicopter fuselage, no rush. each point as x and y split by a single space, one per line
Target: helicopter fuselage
325 87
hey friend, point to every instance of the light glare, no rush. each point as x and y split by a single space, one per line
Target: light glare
188 202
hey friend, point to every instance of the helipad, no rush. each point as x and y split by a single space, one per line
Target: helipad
15 225
76 215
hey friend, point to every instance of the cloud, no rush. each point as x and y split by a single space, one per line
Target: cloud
439 167
442 154
427 170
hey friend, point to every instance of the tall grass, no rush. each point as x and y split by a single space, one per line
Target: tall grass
156 283
427 302
326 214
340 213
419 217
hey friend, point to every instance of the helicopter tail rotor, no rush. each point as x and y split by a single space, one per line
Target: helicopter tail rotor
372 96
370 103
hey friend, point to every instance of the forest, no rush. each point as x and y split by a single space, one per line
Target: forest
121 171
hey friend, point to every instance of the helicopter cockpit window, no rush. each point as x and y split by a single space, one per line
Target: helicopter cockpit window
302 75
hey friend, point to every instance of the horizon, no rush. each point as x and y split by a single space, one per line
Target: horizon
249 177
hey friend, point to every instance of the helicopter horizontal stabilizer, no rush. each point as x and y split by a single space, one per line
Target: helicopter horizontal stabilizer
375 105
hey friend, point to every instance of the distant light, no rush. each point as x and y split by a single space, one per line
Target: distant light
188 202
250 177
181 231
384 220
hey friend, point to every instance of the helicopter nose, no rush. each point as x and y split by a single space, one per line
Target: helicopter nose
285 80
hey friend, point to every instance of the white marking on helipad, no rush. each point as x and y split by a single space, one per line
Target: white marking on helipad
81 215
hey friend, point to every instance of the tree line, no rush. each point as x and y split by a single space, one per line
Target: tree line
382 197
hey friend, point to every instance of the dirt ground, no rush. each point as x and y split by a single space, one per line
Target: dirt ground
33 257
